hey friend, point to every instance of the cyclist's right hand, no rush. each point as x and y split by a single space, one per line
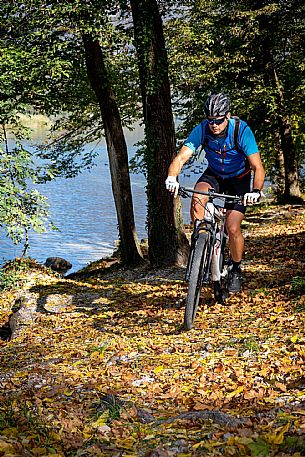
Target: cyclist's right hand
172 185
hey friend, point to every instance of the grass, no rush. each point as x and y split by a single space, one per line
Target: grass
298 285
11 275
109 407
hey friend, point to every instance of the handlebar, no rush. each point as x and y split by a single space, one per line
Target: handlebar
183 192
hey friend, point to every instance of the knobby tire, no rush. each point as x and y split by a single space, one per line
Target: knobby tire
198 268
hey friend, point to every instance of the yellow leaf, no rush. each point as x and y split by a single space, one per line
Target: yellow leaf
207 444
158 369
9 431
294 338
55 436
96 355
6 447
278 436
101 420
200 444
279 309
38 451
244 440
281 386
231 440
283 429
68 393
126 443
235 392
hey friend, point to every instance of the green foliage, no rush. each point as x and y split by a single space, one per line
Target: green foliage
43 69
12 274
7 415
21 207
298 285
293 444
111 404
259 448
252 50
101 349
137 162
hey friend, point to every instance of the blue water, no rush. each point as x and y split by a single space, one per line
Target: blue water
83 210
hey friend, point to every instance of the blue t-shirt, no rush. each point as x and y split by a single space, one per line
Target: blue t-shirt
220 152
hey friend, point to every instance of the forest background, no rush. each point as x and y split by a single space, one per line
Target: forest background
100 366
98 66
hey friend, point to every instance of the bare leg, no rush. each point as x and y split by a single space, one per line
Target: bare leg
236 239
198 201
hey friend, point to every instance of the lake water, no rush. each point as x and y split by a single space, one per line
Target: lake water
83 210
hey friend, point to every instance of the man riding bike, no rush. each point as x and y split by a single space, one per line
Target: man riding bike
231 152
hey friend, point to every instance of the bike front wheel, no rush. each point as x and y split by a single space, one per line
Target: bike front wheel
198 270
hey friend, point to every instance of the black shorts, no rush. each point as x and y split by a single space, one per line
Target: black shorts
238 185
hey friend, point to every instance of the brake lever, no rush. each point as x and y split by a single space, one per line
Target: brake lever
183 193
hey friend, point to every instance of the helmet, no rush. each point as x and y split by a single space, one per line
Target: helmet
217 105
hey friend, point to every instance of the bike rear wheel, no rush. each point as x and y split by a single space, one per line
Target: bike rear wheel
198 270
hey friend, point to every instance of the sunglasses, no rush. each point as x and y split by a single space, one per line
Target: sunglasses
216 121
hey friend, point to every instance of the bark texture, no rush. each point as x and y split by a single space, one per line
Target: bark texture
166 238
117 150
287 144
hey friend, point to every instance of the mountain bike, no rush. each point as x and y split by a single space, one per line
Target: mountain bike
206 260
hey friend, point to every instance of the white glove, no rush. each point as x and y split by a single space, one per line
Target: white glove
172 185
252 197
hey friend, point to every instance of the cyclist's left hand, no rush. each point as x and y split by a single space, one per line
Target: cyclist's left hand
252 197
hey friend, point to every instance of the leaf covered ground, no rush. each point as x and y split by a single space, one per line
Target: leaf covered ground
103 367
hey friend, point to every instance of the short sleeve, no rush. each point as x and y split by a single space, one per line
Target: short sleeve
247 141
194 139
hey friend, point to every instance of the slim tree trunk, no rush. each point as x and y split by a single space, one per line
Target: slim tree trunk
117 150
292 185
287 145
279 179
166 238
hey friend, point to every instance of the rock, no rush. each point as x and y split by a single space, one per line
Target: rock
25 316
144 416
58 264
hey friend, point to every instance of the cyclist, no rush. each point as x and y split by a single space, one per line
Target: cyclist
231 154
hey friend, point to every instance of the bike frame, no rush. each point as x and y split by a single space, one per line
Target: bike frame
214 224
206 259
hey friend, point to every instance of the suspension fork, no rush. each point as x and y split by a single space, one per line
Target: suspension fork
194 239
213 231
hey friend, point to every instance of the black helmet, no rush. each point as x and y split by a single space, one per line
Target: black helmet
217 105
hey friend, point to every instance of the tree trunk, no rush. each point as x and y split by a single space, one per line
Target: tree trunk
166 238
117 150
292 186
279 179
287 145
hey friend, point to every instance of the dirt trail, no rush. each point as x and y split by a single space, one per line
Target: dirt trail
98 365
